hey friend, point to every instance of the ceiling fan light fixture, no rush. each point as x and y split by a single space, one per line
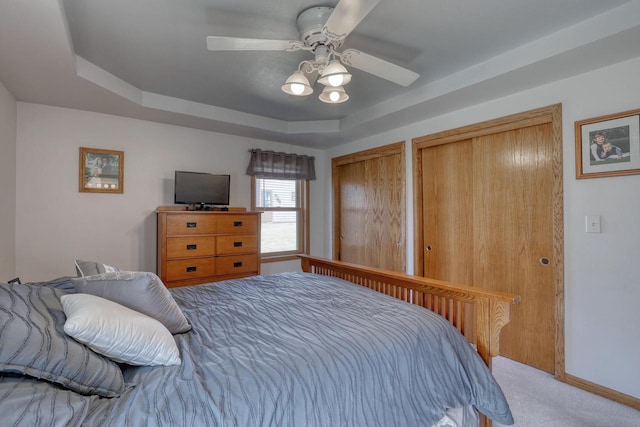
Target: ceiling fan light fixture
322 31
334 74
333 95
297 85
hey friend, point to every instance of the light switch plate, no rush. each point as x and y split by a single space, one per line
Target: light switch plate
592 223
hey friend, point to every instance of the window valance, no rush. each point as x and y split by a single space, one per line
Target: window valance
269 164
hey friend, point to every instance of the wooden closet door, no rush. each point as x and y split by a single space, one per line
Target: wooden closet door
353 210
513 236
448 227
487 222
371 215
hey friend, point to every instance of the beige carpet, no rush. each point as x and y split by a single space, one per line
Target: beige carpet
537 399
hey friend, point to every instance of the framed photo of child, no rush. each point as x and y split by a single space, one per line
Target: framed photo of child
608 145
101 171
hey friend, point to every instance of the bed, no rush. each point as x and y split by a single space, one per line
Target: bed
290 349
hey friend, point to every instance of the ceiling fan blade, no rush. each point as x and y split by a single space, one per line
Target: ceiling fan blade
216 43
378 67
346 16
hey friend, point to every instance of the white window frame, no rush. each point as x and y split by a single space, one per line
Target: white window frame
302 218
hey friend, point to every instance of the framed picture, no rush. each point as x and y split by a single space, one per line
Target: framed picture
101 171
608 145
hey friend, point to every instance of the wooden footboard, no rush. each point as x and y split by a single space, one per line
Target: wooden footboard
451 301
478 313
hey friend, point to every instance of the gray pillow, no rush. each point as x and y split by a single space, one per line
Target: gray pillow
33 343
139 291
90 268
63 283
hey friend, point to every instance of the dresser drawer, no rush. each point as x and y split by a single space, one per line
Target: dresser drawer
233 264
184 247
194 224
240 244
237 224
184 269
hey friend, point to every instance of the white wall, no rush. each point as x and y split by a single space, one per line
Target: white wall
602 271
8 118
56 223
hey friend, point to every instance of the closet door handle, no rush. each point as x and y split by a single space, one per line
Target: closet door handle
545 261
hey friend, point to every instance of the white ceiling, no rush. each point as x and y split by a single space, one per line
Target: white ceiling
147 59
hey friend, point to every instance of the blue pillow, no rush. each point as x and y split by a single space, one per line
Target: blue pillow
33 343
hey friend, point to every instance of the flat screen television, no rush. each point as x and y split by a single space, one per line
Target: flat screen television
197 188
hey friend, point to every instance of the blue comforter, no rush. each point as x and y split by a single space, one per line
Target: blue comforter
291 349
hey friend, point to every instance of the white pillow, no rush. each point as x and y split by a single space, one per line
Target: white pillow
118 332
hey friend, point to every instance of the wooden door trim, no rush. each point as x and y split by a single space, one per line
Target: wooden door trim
551 114
502 124
374 153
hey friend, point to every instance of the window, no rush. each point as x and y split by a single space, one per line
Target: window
285 206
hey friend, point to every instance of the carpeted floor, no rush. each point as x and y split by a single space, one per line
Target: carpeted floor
537 399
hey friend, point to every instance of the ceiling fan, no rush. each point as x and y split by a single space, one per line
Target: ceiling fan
322 32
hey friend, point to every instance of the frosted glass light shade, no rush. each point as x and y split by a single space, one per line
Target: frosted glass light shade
334 75
297 85
333 95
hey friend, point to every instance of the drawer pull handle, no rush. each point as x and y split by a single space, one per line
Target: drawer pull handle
192 224
237 264
192 247
191 269
237 223
237 244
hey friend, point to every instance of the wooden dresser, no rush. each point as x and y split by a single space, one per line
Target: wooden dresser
206 246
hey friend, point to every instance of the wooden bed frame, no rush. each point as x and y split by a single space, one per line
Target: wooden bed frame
478 313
